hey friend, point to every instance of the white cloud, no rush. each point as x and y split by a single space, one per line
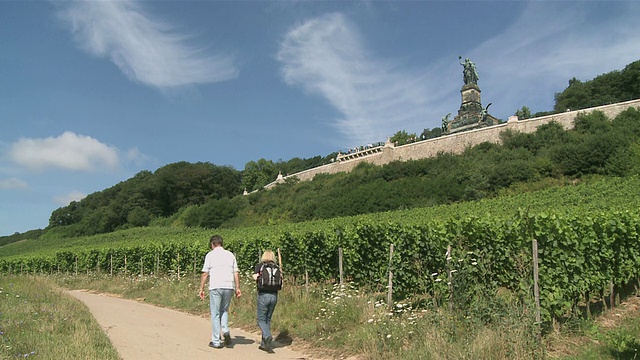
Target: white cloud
68 151
533 58
64 200
134 155
145 49
549 44
13 184
325 56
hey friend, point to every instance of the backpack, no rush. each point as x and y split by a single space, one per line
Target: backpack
269 277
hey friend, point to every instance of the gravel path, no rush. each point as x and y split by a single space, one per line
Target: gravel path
142 331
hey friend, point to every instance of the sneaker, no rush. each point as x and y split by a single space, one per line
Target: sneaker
264 348
268 345
219 346
227 339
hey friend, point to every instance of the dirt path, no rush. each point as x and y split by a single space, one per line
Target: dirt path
142 331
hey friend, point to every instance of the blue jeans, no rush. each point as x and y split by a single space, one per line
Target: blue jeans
266 305
219 301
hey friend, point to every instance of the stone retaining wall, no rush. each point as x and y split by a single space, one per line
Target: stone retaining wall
455 143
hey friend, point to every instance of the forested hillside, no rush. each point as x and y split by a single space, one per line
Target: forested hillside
207 195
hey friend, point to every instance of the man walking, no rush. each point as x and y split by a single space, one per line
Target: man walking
221 268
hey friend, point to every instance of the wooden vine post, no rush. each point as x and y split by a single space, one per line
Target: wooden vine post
448 255
390 287
611 295
536 288
194 264
178 264
340 266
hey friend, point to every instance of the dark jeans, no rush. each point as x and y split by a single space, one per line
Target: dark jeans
266 305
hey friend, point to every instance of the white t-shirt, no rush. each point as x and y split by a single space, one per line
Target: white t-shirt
221 266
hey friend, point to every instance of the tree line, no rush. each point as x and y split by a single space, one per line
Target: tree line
207 195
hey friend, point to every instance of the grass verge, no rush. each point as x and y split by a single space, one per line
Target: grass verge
340 322
38 320
329 321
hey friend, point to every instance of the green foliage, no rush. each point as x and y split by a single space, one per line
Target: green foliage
31 234
622 344
523 113
402 138
612 87
257 174
588 238
137 201
210 215
430 134
597 146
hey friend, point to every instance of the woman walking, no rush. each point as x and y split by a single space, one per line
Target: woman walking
268 280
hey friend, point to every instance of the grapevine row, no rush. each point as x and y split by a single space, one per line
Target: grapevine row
579 254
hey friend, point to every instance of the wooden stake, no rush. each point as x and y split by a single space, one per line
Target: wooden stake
340 265
611 295
536 289
450 277
390 287
194 264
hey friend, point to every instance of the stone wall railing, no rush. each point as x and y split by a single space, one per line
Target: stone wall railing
454 143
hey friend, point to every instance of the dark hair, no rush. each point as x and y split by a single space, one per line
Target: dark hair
216 240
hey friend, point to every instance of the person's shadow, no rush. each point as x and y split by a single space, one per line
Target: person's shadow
283 339
240 340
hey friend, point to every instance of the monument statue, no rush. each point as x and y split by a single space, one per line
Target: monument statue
469 71
445 122
471 115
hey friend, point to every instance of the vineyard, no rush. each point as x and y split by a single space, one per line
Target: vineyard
587 237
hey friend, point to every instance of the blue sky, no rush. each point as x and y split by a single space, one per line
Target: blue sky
93 92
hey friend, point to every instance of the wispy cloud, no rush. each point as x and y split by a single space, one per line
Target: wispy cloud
145 49
326 57
66 199
13 184
526 64
551 43
68 151
135 156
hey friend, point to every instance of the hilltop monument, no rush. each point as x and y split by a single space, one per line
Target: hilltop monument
471 115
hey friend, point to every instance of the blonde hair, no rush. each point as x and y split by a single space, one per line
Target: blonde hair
268 256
